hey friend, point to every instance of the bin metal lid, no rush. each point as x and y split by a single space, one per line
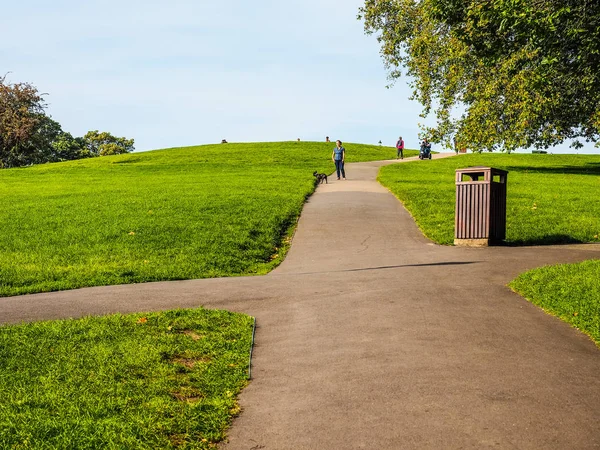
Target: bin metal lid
475 173
480 169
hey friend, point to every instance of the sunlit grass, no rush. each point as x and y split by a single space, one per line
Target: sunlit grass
568 291
139 381
551 198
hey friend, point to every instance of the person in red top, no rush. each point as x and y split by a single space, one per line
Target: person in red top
400 147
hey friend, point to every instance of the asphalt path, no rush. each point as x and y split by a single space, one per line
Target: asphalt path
372 337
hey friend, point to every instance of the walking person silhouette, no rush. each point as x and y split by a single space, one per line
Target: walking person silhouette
338 156
400 148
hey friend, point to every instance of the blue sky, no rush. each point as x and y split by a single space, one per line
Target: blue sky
194 72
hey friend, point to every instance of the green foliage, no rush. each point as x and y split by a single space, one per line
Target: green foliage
194 212
105 144
568 291
38 148
161 380
29 136
549 196
524 73
66 148
21 117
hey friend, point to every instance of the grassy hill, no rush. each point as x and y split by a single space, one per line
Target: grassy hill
551 198
195 212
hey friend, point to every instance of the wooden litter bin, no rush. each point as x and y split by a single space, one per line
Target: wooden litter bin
480 218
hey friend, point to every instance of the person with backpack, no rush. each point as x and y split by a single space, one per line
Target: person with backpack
400 147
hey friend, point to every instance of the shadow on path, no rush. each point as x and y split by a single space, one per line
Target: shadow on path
455 263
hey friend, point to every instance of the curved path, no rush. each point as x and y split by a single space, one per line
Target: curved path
372 337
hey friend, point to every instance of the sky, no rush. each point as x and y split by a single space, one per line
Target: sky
185 72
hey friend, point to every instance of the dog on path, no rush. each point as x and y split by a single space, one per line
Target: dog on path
320 177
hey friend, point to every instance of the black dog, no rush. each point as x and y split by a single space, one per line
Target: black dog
320 177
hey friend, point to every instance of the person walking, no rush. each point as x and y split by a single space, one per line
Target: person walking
338 157
400 147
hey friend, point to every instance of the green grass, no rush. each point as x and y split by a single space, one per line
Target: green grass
139 381
196 212
551 198
568 291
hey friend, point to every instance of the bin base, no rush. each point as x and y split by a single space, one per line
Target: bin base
472 242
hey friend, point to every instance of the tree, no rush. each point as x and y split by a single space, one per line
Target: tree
39 147
523 72
66 148
104 144
21 117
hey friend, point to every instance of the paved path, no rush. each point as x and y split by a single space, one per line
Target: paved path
371 337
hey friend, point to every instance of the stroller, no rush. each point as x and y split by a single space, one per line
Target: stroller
425 151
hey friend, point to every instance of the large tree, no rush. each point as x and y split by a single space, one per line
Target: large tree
21 117
498 74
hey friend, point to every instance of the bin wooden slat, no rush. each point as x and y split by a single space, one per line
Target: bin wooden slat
480 217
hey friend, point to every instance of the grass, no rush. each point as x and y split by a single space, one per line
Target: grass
195 212
139 381
551 198
568 291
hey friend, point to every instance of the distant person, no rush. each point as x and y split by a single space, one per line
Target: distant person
426 145
425 150
338 157
400 148
327 139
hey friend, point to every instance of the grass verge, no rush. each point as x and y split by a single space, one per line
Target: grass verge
195 212
139 381
568 291
551 198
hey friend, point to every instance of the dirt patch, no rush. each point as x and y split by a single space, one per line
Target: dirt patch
187 394
195 336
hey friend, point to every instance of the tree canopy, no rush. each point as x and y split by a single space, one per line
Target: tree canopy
29 136
497 74
21 122
104 144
